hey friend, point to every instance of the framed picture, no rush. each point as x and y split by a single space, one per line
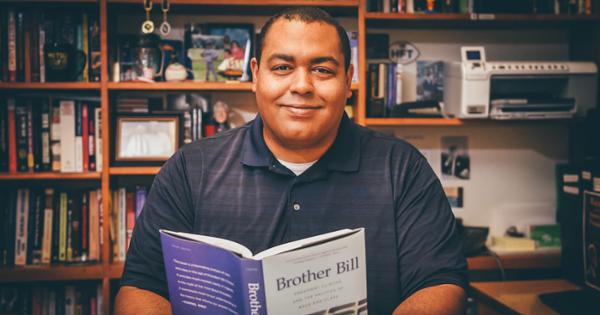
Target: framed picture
221 52
146 138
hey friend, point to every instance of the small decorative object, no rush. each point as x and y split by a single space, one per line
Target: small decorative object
220 116
148 25
147 138
175 72
165 27
63 62
147 58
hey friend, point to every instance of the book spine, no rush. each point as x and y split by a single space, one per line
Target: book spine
130 217
140 199
85 46
12 46
45 135
122 224
94 247
69 227
85 206
33 47
38 224
48 224
11 230
100 223
55 228
94 42
21 143
253 287
30 150
78 137
3 136
55 136
40 52
20 46
98 125
67 136
91 145
37 135
12 135
62 244
21 227
85 152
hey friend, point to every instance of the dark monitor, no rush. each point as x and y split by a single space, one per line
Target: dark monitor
473 55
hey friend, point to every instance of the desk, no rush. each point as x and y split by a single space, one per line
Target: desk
516 297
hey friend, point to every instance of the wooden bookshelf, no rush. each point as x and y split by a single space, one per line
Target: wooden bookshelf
260 3
50 86
50 176
51 273
524 260
134 170
178 86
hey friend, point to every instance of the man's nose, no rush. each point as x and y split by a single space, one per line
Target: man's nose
302 82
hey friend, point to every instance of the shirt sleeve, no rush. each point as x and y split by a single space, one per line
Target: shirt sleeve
168 206
429 248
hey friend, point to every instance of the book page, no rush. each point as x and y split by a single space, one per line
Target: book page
237 248
305 242
323 279
202 278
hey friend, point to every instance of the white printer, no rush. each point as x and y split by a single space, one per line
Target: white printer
476 88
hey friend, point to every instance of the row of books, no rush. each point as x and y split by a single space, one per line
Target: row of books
37 136
394 92
52 299
482 6
50 226
62 47
126 206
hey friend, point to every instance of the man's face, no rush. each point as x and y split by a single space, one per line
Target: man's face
301 85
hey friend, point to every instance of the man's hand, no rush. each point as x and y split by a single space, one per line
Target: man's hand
440 299
135 301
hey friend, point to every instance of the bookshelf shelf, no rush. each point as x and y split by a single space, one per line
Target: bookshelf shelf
115 270
134 170
50 86
50 176
413 122
328 3
50 273
515 260
187 85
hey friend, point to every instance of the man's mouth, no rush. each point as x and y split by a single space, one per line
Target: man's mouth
301 109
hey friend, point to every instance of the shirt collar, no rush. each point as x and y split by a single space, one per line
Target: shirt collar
343 155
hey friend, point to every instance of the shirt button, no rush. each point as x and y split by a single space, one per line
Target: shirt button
296 206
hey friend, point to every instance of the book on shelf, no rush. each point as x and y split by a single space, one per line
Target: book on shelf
51 299
44 226
52 37
126 205
38 137
482 6
316 275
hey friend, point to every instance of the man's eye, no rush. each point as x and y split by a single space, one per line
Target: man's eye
281 68
323 70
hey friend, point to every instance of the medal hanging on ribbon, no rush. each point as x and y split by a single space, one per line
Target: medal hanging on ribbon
148 25
165 27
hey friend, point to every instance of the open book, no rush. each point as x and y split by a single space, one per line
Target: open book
323 274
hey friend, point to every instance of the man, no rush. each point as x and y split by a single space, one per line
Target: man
302 168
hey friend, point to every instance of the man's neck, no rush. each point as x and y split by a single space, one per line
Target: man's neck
297 153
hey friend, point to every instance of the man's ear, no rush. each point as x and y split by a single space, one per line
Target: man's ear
254 67
349 75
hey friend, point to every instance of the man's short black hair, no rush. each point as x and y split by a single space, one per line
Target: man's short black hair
306 15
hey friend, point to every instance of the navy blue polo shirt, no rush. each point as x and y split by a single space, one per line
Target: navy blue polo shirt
231 186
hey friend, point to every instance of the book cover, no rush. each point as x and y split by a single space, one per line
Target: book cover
317 275
430 81
67 136
3 136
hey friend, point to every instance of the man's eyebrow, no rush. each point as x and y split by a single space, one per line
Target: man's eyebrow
313 61
284 57
324 59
